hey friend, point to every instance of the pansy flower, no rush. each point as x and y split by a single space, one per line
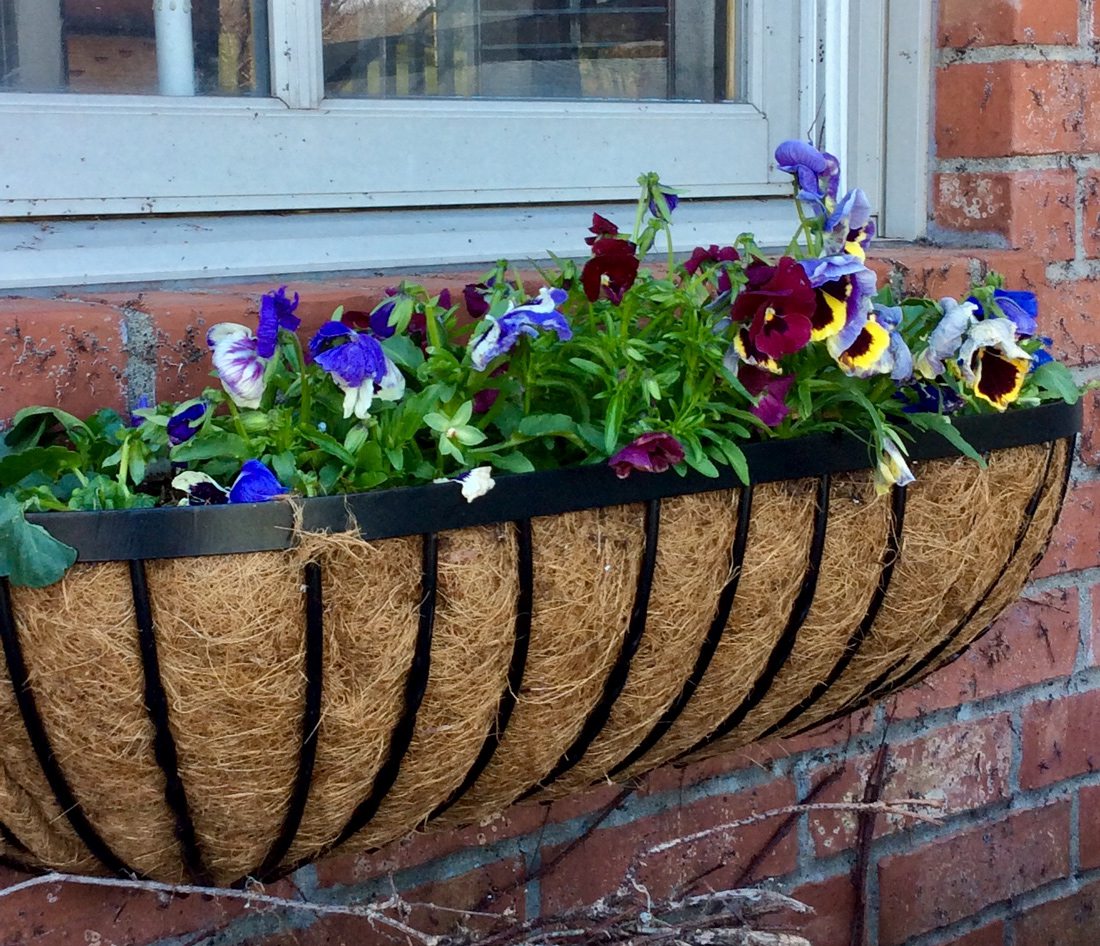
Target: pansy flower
379 320
770 392
817 173
358 365
714 255
254 484
1020 307
892 470
651 453
775 307
992 363
945 339
929 399
476 296
276 312
240 367
663 201
601 227
849 228
185 422
612 268
868 354
143 403
502 333
843 286
475 483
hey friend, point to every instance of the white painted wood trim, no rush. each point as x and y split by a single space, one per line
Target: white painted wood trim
297 69
909 83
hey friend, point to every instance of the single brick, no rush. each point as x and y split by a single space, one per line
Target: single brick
1072 921
1089 833
924 270
1035 640
1075 545
61 354
1089 444
965 767
1031 210
992 935
999 109
834 903
948 880
967 23
1059 739
598 866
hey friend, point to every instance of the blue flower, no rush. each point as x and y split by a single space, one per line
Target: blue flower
358 365
184 424
255 484
1021 307
276 312
501 334
930 399
671 201
142 404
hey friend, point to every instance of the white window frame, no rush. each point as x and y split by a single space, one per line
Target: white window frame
514 166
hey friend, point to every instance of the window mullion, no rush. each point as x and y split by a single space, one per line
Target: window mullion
297 73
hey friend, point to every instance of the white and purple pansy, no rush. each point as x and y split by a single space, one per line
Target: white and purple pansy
235 353
254 484
358 365
501 333
276 312
946 337
475 483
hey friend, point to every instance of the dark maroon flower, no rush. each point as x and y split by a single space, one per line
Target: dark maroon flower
487 397
651 453
601 227
710 254
771 407
777 305
474 296
356 319
445 299
612 260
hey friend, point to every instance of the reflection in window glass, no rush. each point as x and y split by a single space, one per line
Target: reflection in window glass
171 47
569 49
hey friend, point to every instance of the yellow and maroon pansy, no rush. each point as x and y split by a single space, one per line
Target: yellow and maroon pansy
992 363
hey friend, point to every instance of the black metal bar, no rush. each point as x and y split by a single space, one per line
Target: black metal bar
525 600
710 642
40 743
855 642
311 722
416 684
784 646
164 744
616 679
170 532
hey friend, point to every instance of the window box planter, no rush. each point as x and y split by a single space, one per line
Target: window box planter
218 692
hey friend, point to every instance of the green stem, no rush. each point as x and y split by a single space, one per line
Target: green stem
124 464
307 395
238 423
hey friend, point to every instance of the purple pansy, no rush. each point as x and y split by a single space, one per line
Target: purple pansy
844 287
849 227
651 453
671 200
358 365
142 404
276 312
380 315
184 423
476 296
501 334
255 484
817 172
240 367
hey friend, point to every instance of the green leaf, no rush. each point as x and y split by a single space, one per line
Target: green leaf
212 445
49 461
29 555
548 425
942 425
403 352
512 462
355 439
329 445
285 466
29 424
469 436
588 367
437 421
1056 378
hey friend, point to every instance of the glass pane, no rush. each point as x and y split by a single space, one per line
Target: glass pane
171 47
557 49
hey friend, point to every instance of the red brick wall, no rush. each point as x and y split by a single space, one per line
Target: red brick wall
1006 736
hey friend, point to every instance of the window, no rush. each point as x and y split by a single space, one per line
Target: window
459 125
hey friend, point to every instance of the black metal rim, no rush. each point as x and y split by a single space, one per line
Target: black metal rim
174 532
